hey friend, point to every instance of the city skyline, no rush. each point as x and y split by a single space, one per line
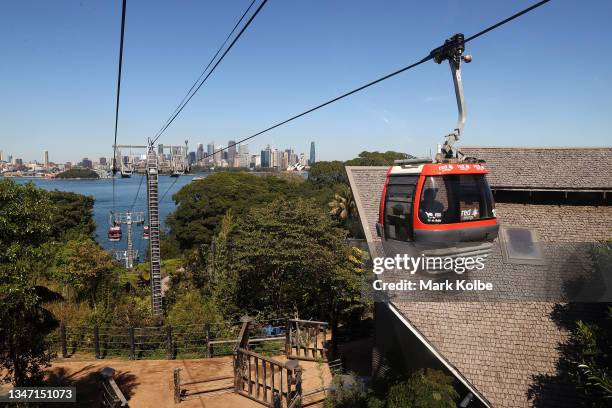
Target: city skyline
233 155
284 64
49 155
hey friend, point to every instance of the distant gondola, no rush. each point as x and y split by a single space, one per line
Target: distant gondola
114 233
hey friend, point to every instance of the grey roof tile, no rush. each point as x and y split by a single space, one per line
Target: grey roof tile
546 168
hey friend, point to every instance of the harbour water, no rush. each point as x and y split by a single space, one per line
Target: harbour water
128 192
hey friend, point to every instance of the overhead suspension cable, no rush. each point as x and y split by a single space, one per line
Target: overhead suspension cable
137 193
369 84
168 189
208 65
182 106
123 8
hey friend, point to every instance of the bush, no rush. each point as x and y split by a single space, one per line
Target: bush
424 389
347 391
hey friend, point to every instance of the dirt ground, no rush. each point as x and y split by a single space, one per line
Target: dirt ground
148 383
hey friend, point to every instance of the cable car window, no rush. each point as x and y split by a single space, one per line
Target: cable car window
456 198
398 207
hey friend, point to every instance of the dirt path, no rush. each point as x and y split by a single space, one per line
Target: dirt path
148 383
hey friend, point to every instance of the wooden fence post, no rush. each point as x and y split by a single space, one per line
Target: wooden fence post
63 345
276 400
132 343
177 385
288 339
207 334
96 339
298 384
169 342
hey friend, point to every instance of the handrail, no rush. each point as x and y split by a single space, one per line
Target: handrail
112 397
270 382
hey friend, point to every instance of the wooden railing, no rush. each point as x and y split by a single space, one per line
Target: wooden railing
270 382
111 397
306 340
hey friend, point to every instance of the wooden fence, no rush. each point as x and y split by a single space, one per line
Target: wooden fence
306 340
160 341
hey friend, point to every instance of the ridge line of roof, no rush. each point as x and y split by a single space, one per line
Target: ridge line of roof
537 147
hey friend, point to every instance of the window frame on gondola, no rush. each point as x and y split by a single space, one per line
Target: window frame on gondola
400 192
448 201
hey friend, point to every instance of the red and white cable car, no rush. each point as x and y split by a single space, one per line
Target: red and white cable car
440 207
145 232
114 233
437 204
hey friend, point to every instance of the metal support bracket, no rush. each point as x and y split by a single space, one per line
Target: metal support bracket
452 50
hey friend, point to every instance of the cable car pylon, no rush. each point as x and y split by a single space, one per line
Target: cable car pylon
129 219
154 237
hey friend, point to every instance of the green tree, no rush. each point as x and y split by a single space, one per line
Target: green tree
291 254
191 308
223 277
73 214
78 173
25 229
592 370
427 388
85 269
202 204
387 158
327 173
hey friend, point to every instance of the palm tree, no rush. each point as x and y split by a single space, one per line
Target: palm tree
343 206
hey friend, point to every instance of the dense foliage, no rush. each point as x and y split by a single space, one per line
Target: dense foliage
51 270
426 388
78 173
277 258
328 173
73 214
25 228
377 158
589 352
202 204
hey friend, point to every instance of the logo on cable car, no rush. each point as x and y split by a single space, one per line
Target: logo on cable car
469 214
446 167
433 217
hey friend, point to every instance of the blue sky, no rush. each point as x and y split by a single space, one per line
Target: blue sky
542 80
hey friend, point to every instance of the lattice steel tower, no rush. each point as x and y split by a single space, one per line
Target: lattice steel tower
154 238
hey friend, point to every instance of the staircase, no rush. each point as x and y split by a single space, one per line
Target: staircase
154 252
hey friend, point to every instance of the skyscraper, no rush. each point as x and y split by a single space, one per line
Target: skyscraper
46 159
243 155
200 152
266 157
231 152
312 154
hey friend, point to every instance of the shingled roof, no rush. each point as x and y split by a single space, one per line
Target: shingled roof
499 348
546 168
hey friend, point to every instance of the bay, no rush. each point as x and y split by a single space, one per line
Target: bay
129 192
